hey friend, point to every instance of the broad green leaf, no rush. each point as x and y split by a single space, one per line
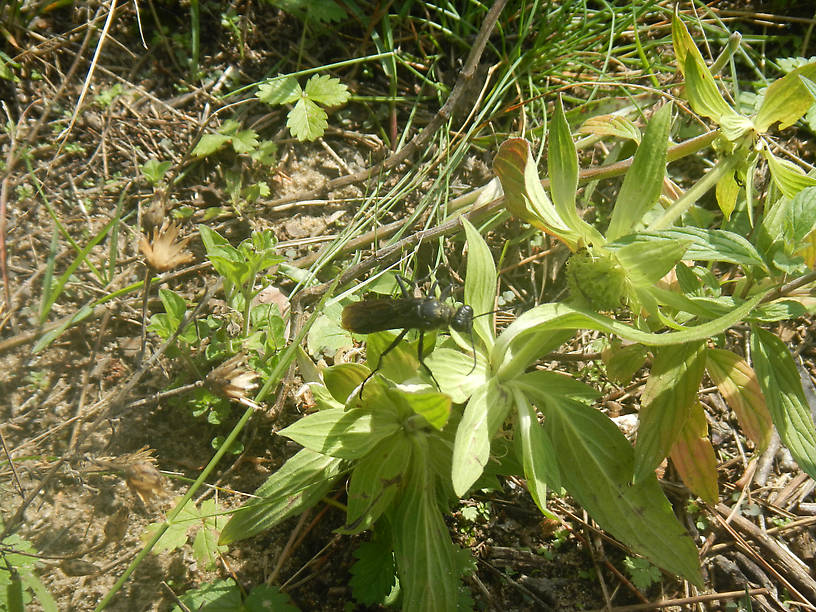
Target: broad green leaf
788 177
644 180
425 554
786 100
280 90
596 467
206 548
557 316
375 481
611 125
737 383
800 217
646 263
480 283
694 458
346 434
343 379
704 244
525 198
265 598
484 414
782 388
622 362
307 121
670 393
432 406
455 373
563 167
299 484
326 90
216 596
174 306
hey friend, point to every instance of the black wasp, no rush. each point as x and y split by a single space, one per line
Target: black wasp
407 313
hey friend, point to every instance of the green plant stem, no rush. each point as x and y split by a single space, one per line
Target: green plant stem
684 202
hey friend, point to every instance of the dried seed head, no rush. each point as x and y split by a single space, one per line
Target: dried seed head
144 480
163 252
232 379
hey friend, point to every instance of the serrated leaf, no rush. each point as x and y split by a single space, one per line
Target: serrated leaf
326 90
217 596
209 144
245 141
206 549
737 383
280 91
639 515
694 458
669 396
373 575
786 100
643 182
788 177
300 483
484 414
307 121
611 125
782 388
266 598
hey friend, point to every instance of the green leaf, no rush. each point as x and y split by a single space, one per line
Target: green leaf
209 144
281 90
373 575
622 362
537 453
727 190
703 244
480 283
789 177
345 434
174 306
643 182
307 121
800 217
326 90
563 166
611 125
454 371
525 198
694 458
782 388
432 406
484 414
701 89
670 393
154 170
549 317
786 100
639 515
425 554
266 598
343 379
737 383
217 596
375 481
646 263
299 484
245 141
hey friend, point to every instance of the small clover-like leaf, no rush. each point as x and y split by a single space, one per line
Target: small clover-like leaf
209 144
307 121
326 90
279 91
245 141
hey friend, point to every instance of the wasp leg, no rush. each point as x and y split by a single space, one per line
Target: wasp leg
422 359
403 286
390 348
